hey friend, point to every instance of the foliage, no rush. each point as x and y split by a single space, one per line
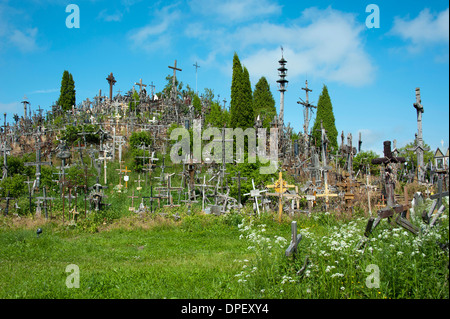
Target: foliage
241 105
363 159
71 134
132 105
411 157
217 117
263 102
67 92
168 88
140 138
197 104
325 114
14 184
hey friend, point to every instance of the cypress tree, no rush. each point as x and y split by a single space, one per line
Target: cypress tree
67 91
235 90
325 113
263 102
241 105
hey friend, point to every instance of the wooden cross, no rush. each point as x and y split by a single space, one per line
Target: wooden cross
203 186
255 193
295 239
347 185
389 178
153 89
175 69
111 80
238 178
139 182
140 85
388 212
307 110
326 194
126 177
44 198
132 202
439 193
280 187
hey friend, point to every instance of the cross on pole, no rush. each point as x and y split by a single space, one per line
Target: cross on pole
419 147
175 69
196 67
111 80
306 112
153 89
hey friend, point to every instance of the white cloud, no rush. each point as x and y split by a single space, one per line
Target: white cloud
235 10
25 40
46 91
323 43
424 30
108 17
14 35
155 35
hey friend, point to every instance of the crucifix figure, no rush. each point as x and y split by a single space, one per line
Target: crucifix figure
174 78
111 80
389 178
419 147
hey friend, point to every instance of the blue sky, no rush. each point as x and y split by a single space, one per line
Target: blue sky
371 73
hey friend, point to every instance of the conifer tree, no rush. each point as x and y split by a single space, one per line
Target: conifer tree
325 113
263 102
241 97
235 89
67 91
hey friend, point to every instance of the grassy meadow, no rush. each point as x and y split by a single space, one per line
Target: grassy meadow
220 257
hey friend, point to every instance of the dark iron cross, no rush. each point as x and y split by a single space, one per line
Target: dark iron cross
389 178
238 178
111 80
7 198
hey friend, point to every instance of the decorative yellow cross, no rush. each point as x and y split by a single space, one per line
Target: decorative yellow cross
280 187
126 177
326 194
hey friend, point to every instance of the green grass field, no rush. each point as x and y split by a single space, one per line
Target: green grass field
211 257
